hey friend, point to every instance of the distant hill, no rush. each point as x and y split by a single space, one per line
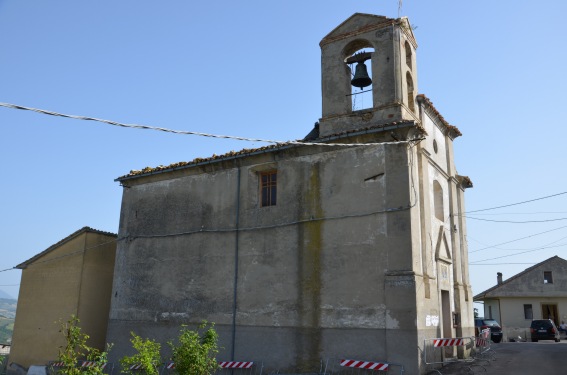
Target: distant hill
7 315
8 308
4 295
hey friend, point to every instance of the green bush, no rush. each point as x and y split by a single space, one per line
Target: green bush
148 356
195 351
3 364
76 348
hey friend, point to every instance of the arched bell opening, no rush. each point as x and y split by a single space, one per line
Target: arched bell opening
358 58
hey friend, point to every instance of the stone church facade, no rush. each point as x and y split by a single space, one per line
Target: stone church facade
347 244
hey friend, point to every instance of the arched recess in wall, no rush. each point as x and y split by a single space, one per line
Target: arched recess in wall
407 48
361 98
410 90
438 200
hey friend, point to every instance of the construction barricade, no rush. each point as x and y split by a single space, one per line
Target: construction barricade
226 368
483 352
358 367
443 351
54 367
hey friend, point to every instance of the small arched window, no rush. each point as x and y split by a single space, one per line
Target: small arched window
409 83
407 47
438 200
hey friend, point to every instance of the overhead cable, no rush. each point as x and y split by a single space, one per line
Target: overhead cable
516 222
518 239
515 204
185 132
498 264
505 256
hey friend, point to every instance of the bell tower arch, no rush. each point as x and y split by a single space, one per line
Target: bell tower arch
391 63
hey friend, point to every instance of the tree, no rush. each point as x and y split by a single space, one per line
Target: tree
195 352
148 356
3 361
76 347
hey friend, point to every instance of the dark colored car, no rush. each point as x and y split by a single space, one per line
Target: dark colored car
495 329
544 329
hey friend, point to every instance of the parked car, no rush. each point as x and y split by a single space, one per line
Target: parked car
495 329
544 329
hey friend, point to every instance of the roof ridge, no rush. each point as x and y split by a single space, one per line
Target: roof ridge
482 294
61 242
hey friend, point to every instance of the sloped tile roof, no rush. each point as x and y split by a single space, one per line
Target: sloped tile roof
246 151
481 295
453 130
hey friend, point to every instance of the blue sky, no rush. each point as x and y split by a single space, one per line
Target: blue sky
494 69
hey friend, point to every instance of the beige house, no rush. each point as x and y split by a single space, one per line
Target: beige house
539 292
347 244
72 277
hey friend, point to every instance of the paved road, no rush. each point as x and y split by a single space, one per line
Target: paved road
521 358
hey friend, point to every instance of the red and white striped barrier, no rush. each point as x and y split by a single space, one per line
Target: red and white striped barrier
170 366
92 364
58 364
378 366
136 366
448 342
236 364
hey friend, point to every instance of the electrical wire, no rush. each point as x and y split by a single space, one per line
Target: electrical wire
498 264
70 254
524 213
184 132
516 222
506 256
245 229
526 251
8 269
515 204
518 239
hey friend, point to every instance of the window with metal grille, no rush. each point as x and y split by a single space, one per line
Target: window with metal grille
268 188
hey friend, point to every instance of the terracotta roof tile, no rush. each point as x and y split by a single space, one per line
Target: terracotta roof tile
453 130
246 151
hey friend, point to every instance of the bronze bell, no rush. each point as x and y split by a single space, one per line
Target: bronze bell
361 78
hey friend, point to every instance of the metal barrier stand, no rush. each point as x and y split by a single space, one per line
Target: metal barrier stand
483 351
441 352
53 367
225 368
358 367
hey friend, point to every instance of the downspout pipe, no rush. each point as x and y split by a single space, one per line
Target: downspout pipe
236 240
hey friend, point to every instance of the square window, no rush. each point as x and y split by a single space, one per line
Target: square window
268 188
528 312
547 277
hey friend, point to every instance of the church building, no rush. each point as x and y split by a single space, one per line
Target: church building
345 244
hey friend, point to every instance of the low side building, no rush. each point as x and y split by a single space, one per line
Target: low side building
539 292
72 277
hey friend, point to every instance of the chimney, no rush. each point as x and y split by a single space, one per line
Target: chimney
499 277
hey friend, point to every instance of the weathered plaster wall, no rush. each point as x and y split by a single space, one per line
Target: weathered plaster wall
388 66
326 272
